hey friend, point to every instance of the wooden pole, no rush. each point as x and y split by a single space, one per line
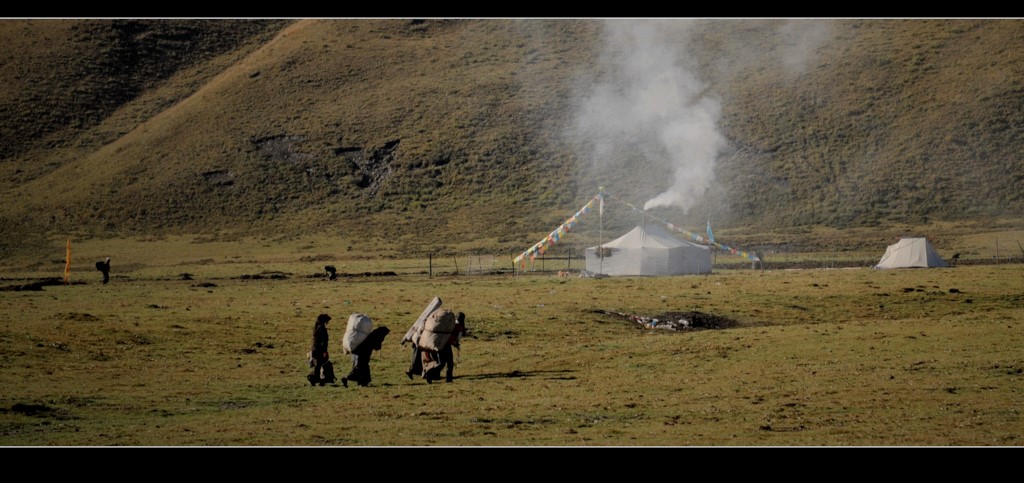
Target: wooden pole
67 264
600 239
430 262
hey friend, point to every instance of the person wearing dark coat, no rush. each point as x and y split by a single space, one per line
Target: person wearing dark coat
361 357
104 266
318 351
413 335
444 357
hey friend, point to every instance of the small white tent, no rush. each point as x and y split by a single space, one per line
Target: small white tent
649 250
909 253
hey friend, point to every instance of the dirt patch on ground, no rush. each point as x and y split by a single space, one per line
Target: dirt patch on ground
355 275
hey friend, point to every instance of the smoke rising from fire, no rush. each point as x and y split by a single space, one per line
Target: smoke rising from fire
652 102
649 101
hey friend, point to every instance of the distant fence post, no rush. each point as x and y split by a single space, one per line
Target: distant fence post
430 265
569 265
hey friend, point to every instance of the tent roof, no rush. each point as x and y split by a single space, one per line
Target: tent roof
650 236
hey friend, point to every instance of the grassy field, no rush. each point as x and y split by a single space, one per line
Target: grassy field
223 164
842 357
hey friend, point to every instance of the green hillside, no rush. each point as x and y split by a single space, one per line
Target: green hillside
425 133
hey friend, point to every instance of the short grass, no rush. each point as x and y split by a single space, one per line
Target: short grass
843 357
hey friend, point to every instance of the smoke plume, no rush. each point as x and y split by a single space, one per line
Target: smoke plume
798 42
651 101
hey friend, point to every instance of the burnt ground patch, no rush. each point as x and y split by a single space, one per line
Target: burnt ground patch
38 411
36 285
678 321
32 409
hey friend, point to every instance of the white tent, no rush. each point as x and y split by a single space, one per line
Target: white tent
649 250
911 252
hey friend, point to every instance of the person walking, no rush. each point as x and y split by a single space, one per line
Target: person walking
104 266
361 357
444 359
413 336
318 353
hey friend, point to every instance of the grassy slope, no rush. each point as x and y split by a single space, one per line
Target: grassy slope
426 135
64 78
899 120
74 87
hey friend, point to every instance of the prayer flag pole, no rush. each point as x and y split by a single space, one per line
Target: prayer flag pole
600 232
